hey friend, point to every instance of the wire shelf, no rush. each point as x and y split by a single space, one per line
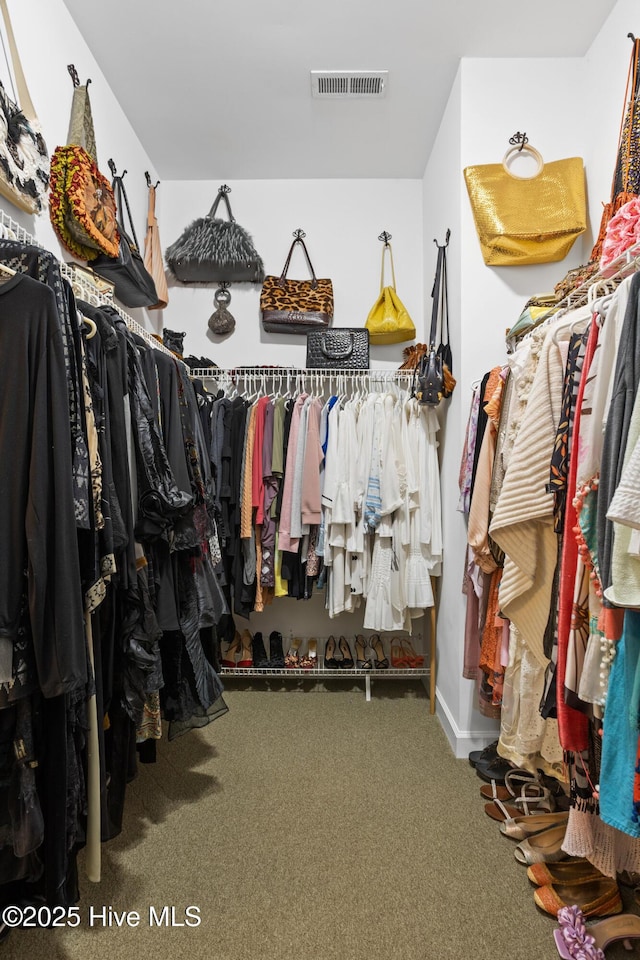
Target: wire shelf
82 287
322 673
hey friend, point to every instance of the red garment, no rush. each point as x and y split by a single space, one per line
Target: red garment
573 725
257 480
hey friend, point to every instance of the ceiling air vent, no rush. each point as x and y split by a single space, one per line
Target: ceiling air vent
340 84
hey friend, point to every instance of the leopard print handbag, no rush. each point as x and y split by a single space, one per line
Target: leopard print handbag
296 306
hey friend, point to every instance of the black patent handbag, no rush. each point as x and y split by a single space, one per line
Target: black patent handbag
133 283
340 348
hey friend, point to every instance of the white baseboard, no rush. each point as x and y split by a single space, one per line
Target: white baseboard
462 742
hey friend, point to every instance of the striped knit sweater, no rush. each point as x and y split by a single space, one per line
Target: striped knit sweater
523 519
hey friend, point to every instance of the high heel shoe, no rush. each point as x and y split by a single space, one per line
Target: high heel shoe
330 662
573 938
312 652
292 659
260 659
381 662
229 659
276 653
398 657
246 651
414 660
361 662
347 659
310 660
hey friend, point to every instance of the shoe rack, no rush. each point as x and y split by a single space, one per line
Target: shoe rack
321 671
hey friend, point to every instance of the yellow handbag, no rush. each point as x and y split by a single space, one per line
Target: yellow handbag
388 320
523 220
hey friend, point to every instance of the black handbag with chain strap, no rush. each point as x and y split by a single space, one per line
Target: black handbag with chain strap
434 371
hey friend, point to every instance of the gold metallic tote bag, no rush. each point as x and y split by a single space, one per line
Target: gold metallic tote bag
523 220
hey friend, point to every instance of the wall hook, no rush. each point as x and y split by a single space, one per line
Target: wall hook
446 240
224 189
112 167
299 234
631 37
73 73
148 179
520 138
385 237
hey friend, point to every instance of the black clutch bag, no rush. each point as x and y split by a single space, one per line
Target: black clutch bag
339 348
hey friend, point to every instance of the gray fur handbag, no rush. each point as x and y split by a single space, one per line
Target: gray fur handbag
213 250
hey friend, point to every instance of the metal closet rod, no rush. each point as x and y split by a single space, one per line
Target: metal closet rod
267 373
624 265
90 292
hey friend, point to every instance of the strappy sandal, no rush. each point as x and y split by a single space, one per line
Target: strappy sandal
229 659
573 938
514 782
381 662
362 663
414 660
398 657
246 651
524 807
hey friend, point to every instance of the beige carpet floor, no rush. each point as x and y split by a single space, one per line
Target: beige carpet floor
309 824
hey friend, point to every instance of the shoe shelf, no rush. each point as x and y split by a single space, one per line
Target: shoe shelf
325 673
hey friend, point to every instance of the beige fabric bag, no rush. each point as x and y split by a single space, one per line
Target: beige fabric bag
153 253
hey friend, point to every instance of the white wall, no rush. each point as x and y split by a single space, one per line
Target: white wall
442 190
48 40
605 75
485 301
568 107
342 220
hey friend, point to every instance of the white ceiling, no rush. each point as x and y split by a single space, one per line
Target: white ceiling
223 90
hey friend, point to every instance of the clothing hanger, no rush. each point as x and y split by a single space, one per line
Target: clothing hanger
91 325
6 271
6 232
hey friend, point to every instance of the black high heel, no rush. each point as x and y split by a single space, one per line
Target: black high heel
381 662
362 663
330 661
276 653
260 658
347 659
